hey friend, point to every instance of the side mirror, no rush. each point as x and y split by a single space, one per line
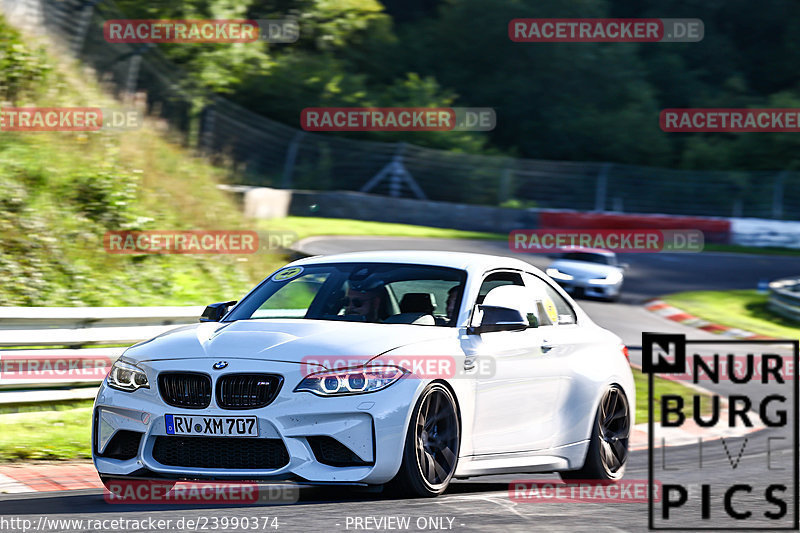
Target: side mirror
215 312
495 318
624 266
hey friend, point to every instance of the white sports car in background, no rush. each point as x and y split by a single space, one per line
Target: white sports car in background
322 374
589 272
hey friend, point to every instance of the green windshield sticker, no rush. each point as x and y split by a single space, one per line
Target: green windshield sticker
287 274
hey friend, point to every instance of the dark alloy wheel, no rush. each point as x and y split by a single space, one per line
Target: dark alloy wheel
608 447
432 443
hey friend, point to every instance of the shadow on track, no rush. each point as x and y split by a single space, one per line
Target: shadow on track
92 501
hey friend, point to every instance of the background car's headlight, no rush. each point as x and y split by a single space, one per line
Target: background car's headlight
128 377
556 274
351 380
611 279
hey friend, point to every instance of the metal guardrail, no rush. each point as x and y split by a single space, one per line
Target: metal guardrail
75 327
43 347
784 298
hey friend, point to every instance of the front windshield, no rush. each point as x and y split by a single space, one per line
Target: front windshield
358 292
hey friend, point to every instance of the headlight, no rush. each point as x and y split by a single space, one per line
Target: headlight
555 274
611 279
350 380
127 377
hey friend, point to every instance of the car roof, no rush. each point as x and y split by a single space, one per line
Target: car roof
459 260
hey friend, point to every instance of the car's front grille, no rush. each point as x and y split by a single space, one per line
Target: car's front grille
221 452
123 445
247 391
185 389
330 451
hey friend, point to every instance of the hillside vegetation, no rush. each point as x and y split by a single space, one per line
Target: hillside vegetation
61 191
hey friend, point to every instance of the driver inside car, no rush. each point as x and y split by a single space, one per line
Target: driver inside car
364 299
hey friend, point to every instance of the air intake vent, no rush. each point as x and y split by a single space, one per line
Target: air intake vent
221 452
331 452
247 391
185 389
124 445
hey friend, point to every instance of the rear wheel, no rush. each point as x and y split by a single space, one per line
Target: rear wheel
608 445
432 443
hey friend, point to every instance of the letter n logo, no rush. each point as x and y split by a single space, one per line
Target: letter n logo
663 353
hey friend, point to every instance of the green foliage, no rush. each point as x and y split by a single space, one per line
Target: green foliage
23 71
560 101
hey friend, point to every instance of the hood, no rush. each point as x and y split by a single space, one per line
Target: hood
282 340
584 269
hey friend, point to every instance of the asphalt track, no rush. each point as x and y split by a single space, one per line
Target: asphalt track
483 504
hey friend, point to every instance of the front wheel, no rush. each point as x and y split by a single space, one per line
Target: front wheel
432 443
608 445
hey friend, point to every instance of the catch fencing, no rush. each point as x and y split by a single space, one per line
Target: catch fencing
268 153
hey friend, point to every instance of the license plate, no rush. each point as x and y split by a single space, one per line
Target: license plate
213 426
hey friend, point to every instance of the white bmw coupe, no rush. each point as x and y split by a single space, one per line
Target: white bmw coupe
406 368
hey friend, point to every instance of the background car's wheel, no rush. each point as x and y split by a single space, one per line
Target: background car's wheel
608 445
430 455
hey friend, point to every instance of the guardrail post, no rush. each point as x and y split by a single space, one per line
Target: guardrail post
84 19
505 186
602 186
777 195
291 157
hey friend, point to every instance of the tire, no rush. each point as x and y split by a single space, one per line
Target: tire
608 445
433 439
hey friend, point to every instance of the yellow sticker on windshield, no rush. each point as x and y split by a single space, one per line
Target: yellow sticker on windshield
287 274
550 309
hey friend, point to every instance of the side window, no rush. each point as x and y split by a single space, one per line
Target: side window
552 308
498 279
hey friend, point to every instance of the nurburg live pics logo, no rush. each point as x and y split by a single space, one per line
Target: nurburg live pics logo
751 486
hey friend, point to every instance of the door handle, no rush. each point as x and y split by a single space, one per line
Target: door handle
469 363
546 346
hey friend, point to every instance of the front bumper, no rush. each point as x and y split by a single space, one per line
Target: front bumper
372 426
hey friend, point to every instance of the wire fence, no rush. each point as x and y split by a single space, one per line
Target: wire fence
267 153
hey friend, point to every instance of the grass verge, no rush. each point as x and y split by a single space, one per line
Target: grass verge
757 250
744 309
62 433
663 387
312 226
